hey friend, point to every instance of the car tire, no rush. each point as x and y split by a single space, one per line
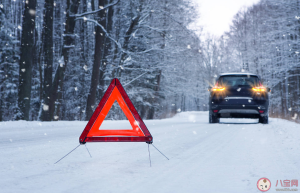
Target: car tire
264 120
213 118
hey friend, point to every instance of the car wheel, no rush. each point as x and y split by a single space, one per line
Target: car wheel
264 120
213 118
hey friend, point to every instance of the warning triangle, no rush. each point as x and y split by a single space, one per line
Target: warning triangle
139 131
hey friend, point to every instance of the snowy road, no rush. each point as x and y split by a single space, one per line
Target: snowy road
227 157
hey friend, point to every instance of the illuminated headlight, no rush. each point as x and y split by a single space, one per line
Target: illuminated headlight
259 89
218 88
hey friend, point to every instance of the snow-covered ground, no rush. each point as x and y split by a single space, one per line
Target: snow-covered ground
227 157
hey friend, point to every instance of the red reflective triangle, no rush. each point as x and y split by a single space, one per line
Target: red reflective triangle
139 131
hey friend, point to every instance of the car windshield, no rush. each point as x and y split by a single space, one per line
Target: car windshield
239 81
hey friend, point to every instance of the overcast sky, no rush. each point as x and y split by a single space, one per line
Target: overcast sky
216 15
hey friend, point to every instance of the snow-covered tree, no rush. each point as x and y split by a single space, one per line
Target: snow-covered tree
8 68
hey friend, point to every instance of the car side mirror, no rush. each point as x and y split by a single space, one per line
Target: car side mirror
209 88
268 89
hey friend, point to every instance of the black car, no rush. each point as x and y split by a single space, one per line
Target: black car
238 95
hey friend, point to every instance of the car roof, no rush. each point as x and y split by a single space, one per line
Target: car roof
238 73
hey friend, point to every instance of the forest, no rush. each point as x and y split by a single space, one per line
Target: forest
57 58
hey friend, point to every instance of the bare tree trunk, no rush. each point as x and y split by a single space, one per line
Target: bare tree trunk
25 64
57 85
99 45
47 38
40 76
155 99
107 43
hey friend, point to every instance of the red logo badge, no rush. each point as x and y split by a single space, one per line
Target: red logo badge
264 184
